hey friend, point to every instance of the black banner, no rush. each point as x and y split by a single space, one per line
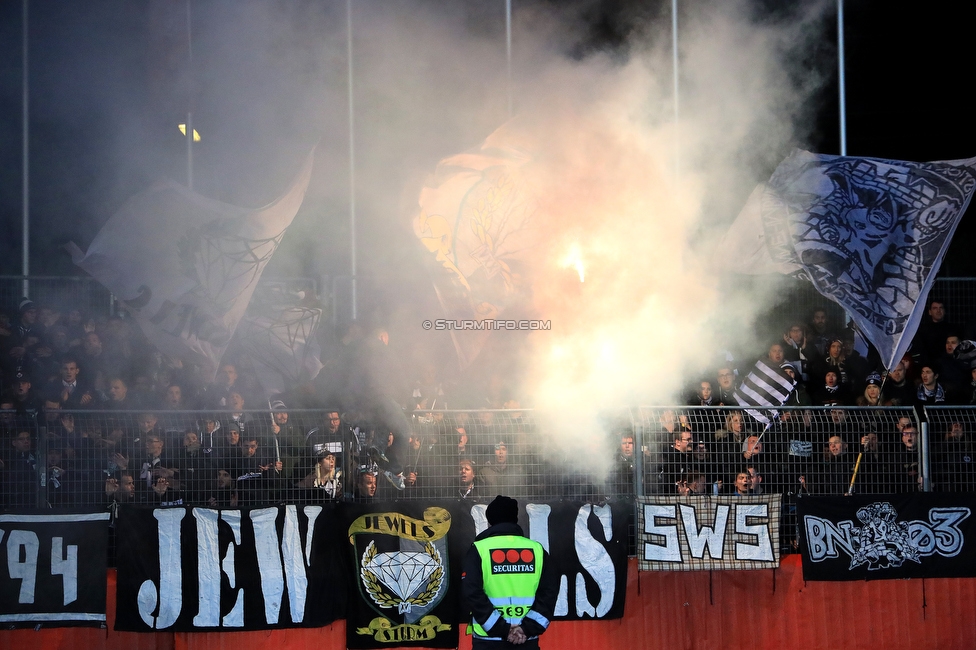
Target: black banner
52 569
407 579
395 567
408 558
588 546
197 569
877 537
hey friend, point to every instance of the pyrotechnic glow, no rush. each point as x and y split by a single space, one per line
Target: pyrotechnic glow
574 260
584 179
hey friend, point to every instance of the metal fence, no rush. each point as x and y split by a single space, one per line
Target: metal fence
959 295
63 292
76 292
950 449
803 453
220 459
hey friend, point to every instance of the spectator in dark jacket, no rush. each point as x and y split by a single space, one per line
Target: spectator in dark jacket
20 479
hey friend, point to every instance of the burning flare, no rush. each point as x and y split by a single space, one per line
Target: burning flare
574 260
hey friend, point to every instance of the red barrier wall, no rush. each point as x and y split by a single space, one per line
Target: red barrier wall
726 609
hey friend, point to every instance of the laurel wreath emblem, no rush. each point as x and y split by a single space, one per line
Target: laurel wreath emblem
383 599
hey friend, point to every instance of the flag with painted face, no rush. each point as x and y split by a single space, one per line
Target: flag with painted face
477 222
185 266
870 234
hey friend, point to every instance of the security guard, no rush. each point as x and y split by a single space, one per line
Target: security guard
508 583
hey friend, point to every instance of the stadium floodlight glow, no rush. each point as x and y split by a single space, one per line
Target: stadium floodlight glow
196 134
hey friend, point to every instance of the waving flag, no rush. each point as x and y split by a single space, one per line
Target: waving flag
185 266
476 220
869 234
279 342
765 385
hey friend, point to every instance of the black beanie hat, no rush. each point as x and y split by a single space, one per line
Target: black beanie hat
502 510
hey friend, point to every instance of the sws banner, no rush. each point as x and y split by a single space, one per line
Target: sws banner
874 537
198 569
408 558
706 533
52 569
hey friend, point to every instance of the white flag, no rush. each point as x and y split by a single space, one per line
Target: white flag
869 234
185 266
280 345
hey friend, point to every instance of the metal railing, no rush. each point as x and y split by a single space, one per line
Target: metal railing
219 459
950 447
68 292
63 292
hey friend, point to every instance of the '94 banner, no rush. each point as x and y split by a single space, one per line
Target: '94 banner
52 569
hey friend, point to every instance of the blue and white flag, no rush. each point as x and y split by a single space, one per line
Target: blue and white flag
869 234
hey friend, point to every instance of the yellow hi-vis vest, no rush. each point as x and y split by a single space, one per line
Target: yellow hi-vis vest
511 567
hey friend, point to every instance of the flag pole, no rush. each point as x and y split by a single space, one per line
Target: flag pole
189 94
841 79
674 73
25 153
857 466
352 160
842 93
508 51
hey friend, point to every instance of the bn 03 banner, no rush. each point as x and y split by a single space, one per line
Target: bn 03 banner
871 537
407 558
53 569
197 569
706 533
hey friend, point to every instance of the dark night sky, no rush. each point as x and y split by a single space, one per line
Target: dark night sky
107 90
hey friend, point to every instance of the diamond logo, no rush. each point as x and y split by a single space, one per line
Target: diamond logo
403 573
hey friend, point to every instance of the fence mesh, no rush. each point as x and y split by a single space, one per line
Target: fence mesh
804 452
109 459
64 293
951 449
959 296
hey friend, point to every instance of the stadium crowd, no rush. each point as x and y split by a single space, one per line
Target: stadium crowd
816 451
126 424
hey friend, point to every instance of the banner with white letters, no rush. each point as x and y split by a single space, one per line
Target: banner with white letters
704 533
879 537
52 569
198 569
407 556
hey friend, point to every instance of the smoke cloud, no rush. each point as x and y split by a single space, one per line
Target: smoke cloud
635 198
641 200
